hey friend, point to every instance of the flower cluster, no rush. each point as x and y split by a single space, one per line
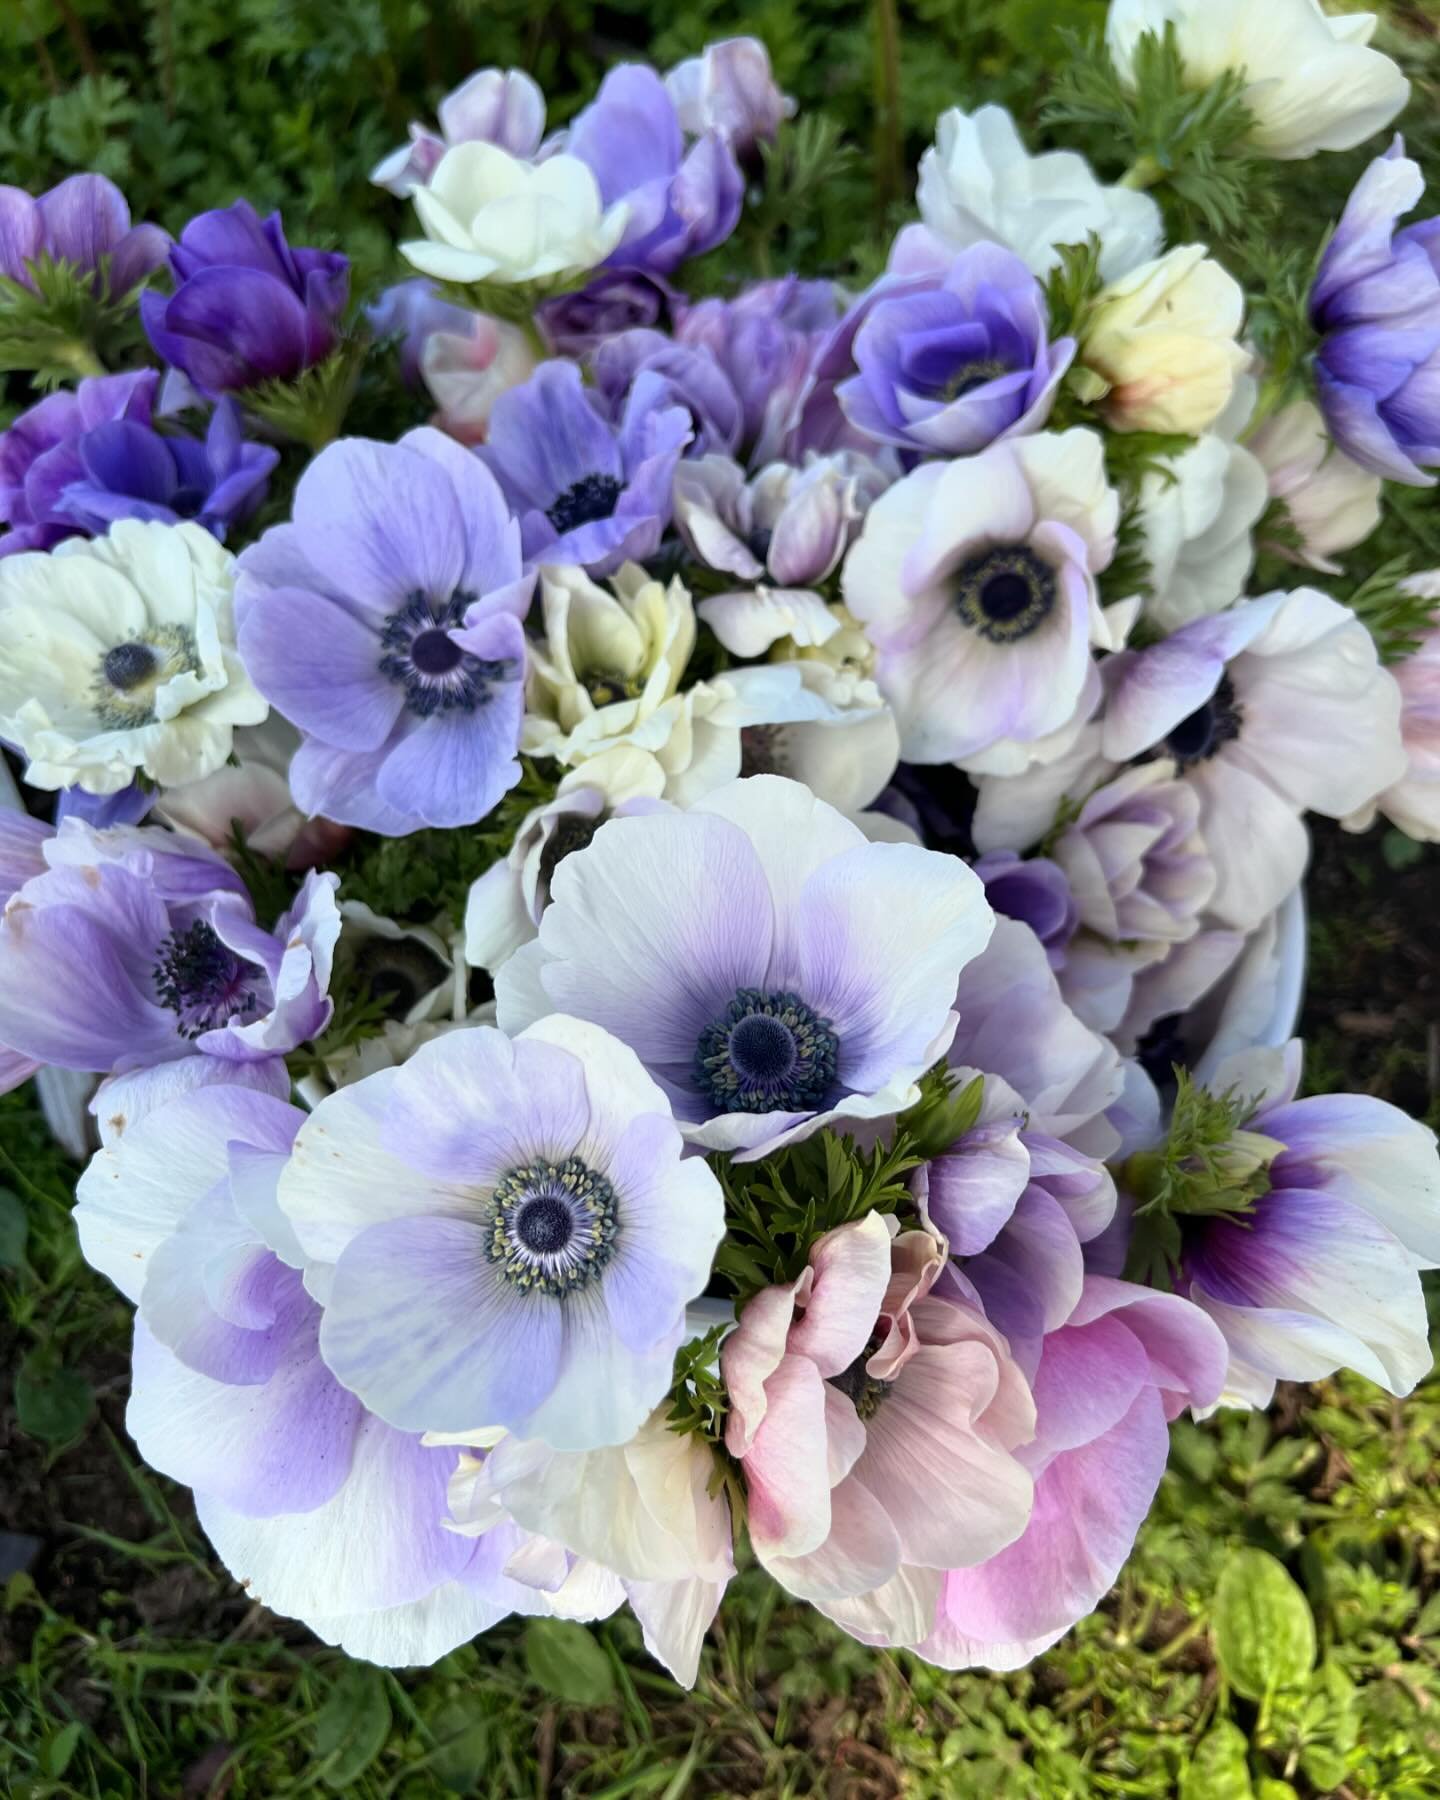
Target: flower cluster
705 943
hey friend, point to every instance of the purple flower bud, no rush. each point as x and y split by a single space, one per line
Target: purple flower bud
1376 302
682 202
730 89
618 300
83 221
247 308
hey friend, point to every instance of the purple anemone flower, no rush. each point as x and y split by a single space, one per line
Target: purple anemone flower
694 381
586 491
80 460
1376 302
949 364
681 202
317 1507
247 308
384 622
413 311
510 1233
176 966
773 970
1317 1266
766 341
84 222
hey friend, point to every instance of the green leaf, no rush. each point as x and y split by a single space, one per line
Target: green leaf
52 1403
463 1746
1400 852
1219 1769
1263 1630
352 1726
1271 1789
13 1229
566 1661
58 1749
1324 1767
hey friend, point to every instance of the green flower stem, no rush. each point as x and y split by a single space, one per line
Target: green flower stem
1145 172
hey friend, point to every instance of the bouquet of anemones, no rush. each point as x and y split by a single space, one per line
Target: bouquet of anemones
704 947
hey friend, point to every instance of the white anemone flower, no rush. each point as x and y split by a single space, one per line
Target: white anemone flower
1310 82
979 183
118 655
488 216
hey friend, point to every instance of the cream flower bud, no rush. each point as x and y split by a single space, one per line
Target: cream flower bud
1164 338
488 216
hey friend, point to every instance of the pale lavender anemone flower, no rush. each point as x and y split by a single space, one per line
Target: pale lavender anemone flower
783 532
1376 302
1276 707
975 581
504 1234
681 202
586 491
176 969
773 970
947 364
85 222
492 106
730 89
1318 1268
317 1507
78 461
1035 891
412 311
693 380
384 622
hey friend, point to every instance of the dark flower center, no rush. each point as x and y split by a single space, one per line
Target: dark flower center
864 1391
762 750
397 972
127 665
766 1053
188 501
418 652
553 1227
572 832
1005 594
606 686
592 497
203 982
758 541
1210 726
972 375
435 652
1161 1048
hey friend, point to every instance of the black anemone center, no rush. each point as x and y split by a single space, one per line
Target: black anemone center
858 1386
398 972
972 375
187 501
762 1048
201 980
572 832
127 665
1006 593
766 1053
435 652
545 1225
1205 730
592 497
